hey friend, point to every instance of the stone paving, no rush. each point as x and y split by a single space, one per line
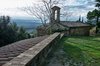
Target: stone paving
11 51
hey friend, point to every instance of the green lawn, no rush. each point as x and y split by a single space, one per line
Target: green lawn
84 50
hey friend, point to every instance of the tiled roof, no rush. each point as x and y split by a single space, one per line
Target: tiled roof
74 24
10 51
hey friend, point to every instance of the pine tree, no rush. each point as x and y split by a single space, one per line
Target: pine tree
98 4
9 32
79 18
82 20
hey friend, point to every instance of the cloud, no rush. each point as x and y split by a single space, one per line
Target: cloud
10 7
16 3
13 12
80 7
77 7
81 4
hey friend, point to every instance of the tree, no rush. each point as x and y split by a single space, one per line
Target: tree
90 15
9 32
95 14
98 4
6 33
22 34
81 19
43 11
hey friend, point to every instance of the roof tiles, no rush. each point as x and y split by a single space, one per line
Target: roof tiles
10 51
74 24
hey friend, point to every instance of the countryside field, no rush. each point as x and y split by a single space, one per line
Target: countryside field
85 50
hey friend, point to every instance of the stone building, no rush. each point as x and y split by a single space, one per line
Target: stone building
68 27
76 28
41 31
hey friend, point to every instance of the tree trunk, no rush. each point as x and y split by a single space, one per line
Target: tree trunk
97 20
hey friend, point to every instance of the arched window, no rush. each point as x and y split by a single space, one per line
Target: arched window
56 15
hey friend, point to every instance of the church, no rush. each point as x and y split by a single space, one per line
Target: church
69 28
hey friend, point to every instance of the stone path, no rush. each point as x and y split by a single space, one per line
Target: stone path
10 51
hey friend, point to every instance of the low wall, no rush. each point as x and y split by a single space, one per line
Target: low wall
36 55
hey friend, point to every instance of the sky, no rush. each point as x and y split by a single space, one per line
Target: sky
76 7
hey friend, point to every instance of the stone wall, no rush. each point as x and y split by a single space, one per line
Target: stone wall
93 31
41 31
80 31
36 55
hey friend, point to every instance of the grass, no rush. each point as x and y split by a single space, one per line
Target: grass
84 50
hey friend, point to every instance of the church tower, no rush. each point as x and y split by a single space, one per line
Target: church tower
55 16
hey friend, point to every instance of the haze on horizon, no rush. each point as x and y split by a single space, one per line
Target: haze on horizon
77 7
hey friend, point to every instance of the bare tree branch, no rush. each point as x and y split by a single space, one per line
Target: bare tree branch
43 11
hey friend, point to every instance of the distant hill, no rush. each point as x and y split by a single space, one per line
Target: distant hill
29 25
26 23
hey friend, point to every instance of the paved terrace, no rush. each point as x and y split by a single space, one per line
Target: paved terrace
9 52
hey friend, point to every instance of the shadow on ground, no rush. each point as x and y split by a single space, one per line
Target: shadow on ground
67 55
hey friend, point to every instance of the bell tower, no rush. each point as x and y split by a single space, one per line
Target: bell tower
55 16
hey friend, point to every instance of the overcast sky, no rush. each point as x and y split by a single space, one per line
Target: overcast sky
77 7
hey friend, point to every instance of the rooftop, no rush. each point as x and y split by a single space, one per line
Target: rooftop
74 24
9 52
